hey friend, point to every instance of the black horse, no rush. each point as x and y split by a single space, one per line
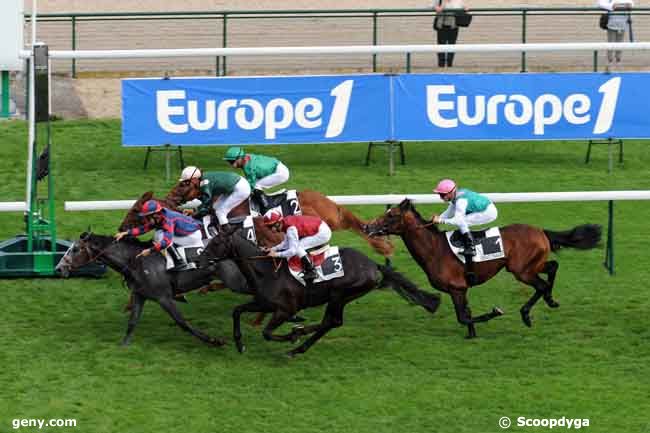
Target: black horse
146 277
281 294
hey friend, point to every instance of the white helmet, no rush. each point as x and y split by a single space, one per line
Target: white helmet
190 172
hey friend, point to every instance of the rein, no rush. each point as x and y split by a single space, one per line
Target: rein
67 261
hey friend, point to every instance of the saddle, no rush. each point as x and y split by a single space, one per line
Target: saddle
488 244
326 260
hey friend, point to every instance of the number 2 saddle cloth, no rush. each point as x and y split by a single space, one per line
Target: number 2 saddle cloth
326 260
488 244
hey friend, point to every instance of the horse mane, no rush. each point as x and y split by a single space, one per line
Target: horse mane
105 240
407 204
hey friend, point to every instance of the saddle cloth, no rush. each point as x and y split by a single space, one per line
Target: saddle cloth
488 244
327 262
283 201
190 253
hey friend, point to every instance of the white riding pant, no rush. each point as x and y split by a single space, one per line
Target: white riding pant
225 203
280 176
322 237
477 218
183 241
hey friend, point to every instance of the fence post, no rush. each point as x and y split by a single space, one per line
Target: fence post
374 40
408 63
224 42
4 104
523 40
609 252
74 45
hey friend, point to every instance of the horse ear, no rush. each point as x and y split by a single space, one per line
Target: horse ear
405 204
147 196
84 236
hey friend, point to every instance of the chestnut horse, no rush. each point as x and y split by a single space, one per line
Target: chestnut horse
526 247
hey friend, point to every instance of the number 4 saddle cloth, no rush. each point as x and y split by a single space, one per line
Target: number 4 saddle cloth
327 262
488 244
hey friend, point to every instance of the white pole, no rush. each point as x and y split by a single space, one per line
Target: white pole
32 110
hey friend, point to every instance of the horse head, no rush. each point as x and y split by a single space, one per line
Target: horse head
78 255
182 192
132 219
392 222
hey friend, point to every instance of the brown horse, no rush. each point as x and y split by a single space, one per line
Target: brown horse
311 202
526 247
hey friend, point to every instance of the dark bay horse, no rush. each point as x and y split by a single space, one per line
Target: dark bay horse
279 292
311 202
145 276
527 249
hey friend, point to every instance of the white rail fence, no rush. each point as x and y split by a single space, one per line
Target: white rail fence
348 49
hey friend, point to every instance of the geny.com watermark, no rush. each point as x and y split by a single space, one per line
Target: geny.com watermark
568 423
40 423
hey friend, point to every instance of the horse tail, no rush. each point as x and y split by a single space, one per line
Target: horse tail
350 221
583 237
408 290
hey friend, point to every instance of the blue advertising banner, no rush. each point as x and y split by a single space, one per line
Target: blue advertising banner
260 110
359 108
521 106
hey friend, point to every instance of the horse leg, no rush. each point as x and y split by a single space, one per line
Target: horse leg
541 288
550 269
236 322
169 305
278 318
333 319
496 312
463 313
136 312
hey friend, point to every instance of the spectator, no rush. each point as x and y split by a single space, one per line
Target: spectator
445 25
617 24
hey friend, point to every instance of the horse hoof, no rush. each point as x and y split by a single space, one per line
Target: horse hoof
525 317
296 319
497 311
241 348
470 337
291 354
124 343
552 304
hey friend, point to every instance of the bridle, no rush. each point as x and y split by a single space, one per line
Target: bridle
66 260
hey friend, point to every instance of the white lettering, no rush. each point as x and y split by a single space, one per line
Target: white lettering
435 105
492 106
257 111
272 121
608 105
308 113
222 112
526 110
479 110
193 115
342 94
165 111
541 119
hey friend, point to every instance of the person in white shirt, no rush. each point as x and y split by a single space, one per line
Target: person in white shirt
617 23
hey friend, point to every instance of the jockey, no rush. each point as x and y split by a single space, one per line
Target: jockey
302 233
171 228
230 188
262 172
466 208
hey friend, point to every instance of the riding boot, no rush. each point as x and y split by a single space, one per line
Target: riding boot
261 199
179 261
309 272
469 252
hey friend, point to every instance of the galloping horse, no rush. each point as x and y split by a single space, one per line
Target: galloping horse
280 293
145 277
526 248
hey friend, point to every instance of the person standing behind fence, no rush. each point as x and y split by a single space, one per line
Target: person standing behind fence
446 28
617 24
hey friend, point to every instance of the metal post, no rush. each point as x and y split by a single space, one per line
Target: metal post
4 112
224 40
595 61
523 40
609 252
374 40
74 45
408 63
610 165
391 159
167 163
388 261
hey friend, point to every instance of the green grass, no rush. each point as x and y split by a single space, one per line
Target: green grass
391 367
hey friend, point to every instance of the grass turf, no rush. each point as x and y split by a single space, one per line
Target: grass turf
391 367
